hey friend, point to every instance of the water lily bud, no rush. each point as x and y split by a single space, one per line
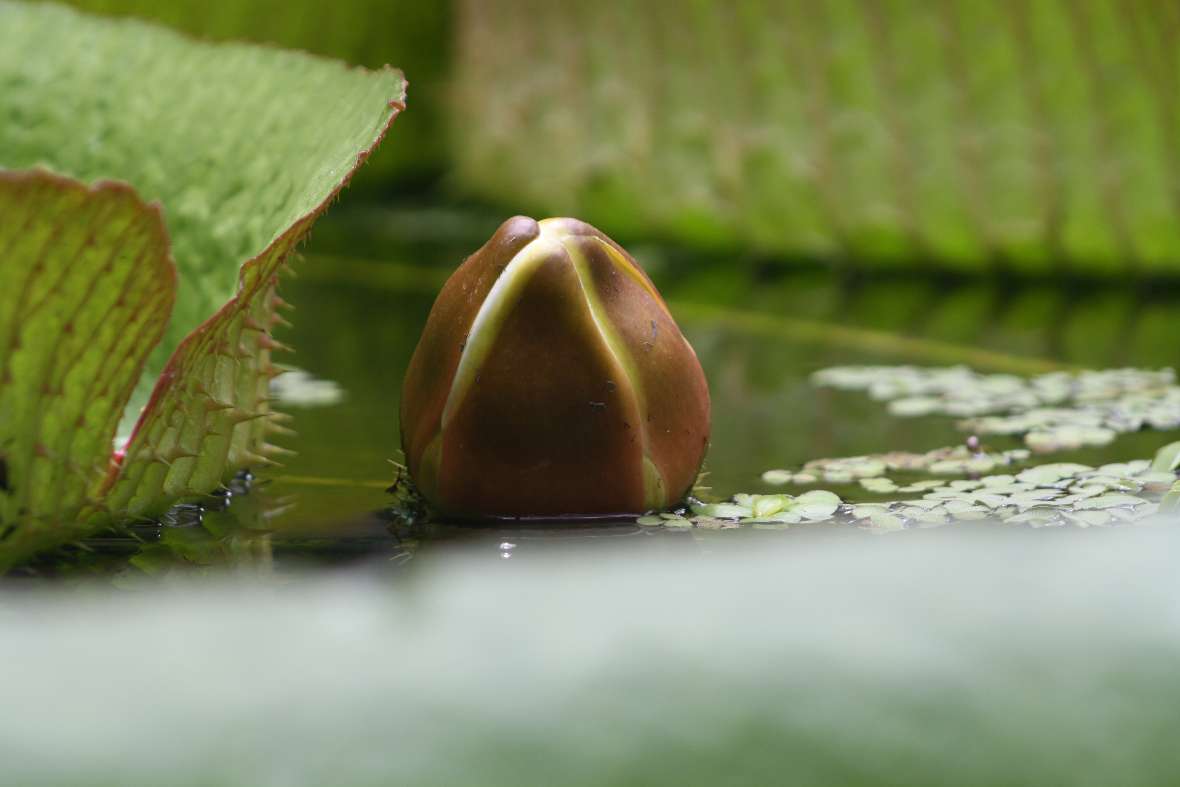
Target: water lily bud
551 381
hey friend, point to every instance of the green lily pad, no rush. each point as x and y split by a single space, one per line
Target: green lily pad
61 400
882 486
885 521
818 497
777 477
1109 501
767 505
816 512
243 147
1090 518
722 510
1156 482
923 486
914 406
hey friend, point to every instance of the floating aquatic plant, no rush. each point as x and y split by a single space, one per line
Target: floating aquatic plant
243 147
1053 412
951 460
1047 495
1168 458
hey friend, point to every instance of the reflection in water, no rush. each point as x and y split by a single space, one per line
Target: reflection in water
759 329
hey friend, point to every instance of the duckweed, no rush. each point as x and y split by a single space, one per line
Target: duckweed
1052 412
1058 411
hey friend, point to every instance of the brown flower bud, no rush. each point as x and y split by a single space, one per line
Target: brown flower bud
551 381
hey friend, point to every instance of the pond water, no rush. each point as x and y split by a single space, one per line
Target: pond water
614 653
760 328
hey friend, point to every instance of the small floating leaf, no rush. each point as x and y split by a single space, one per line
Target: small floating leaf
1045 475
1109 501
959 506
1167 458
923 486
1171 502
883 520
914 406
879 485
722 510
766 505
816 511
778 477
1157 482
818 497
991 500
1089 518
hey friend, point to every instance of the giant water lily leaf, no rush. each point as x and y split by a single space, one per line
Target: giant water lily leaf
241 144
974 134
209 411
244 147
411 33
87 289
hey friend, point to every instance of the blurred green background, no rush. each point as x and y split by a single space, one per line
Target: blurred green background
1013 137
